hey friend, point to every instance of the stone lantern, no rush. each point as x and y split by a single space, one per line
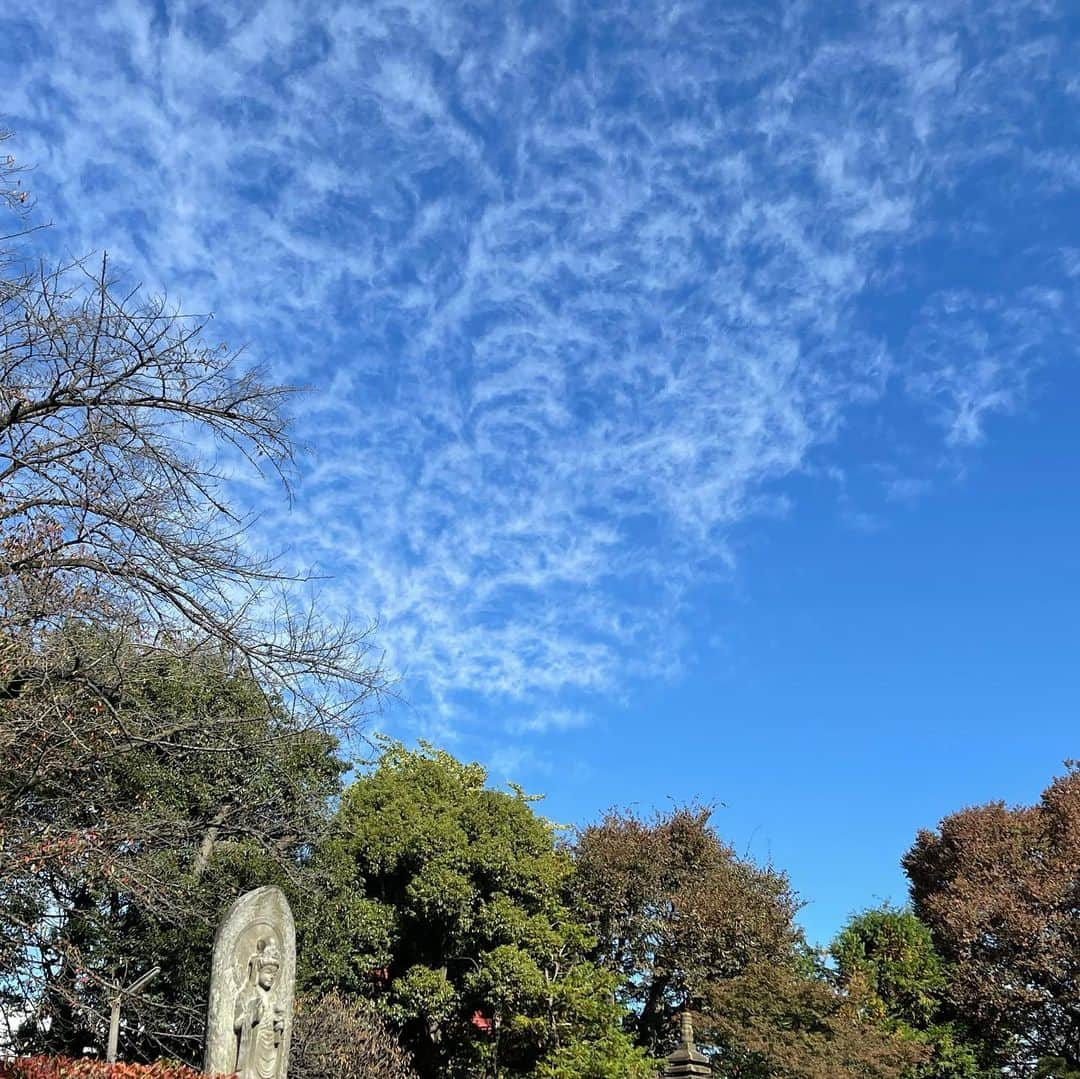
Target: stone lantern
686 1062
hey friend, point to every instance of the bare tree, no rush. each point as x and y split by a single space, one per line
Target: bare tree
119 548
13 195
112 410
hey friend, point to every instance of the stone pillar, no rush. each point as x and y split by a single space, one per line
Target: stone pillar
686 1062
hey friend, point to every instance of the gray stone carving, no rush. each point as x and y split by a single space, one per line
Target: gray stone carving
687 1062
249 1020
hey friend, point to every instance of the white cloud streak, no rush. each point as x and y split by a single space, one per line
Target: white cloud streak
575 285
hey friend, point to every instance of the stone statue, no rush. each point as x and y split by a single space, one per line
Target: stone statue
251 988
258 1020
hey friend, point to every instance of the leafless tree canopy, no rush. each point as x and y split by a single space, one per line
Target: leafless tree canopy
112 413
12 193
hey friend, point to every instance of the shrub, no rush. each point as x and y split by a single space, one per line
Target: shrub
41 1067
337 1037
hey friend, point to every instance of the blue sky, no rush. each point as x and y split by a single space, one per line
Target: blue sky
693 386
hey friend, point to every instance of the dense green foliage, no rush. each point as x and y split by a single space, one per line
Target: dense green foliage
443 900
888 957
194 788
438 911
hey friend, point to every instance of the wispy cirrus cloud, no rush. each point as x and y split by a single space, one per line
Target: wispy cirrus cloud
574 284
973 356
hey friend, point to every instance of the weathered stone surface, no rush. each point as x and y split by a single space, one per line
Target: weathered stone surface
249 1019
687 1062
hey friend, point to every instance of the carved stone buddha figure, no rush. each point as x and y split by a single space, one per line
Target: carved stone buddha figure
259 1019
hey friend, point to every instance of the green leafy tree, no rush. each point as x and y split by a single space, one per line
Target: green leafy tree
1055 1068
199 787
887 957
442 900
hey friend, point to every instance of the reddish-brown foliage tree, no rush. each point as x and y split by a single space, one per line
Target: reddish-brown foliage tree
1000 889
777 1022
674 911
91 1068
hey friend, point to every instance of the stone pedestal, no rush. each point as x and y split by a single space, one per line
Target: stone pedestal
686 1062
